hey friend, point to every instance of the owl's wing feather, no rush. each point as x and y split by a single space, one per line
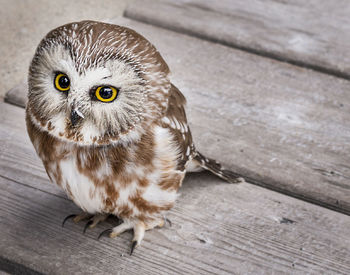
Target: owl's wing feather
175 119
216 168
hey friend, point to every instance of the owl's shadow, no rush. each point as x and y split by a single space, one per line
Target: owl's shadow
195 180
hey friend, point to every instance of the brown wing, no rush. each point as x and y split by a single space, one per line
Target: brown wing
175 120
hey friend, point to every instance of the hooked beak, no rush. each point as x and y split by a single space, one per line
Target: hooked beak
75 116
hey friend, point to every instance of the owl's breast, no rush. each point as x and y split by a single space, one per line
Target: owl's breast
80 187
125 181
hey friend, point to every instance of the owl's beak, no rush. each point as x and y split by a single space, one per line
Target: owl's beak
75 116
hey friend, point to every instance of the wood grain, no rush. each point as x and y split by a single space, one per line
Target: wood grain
315 33
280 126
217 228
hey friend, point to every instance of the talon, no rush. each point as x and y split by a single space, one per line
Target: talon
82 217
107 231
133 245
67 218
168 221
139 232
87 225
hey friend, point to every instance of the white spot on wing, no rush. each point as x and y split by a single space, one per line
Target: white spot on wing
166 120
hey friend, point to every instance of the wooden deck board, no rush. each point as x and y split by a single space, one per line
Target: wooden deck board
217 227
313 33
280 126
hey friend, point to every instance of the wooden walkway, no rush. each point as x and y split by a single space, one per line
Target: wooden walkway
283 127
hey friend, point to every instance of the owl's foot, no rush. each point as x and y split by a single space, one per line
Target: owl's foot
139 228
115 231
93 219
77 218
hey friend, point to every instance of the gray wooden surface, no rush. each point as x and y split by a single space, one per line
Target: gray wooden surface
217 228
313 33
280 126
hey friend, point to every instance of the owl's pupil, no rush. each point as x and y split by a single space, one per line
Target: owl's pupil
63 82
106 92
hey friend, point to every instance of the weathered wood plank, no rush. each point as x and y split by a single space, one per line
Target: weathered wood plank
279 125
8 267
315 34
217 228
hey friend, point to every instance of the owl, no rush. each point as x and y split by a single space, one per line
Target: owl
110 127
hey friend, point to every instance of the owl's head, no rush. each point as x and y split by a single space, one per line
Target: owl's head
96 83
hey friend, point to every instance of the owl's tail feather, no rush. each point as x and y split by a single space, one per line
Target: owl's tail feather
215 167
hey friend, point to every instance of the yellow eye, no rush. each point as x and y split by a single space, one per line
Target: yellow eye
106 93
62 82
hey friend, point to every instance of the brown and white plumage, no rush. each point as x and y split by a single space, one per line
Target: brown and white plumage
127 157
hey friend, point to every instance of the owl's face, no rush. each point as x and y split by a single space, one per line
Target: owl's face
95 83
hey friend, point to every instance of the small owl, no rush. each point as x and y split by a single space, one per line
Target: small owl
109 125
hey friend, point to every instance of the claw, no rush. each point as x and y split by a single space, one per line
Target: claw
139 232
87 225
133 245
67 218
107 231
168 221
